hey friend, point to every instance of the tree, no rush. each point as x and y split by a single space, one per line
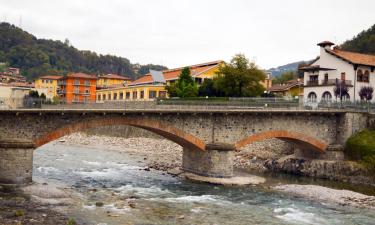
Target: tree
207 88
184 87
284 77
240 78
366 93
341 89
145 69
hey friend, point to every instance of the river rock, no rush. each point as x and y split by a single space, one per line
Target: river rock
175 171
233 181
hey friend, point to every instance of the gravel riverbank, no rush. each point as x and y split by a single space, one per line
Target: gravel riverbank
329 195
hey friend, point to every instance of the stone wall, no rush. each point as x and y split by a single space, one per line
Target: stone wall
210 163
122 131
16 161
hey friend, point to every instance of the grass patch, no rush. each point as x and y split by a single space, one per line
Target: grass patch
71 222
361 147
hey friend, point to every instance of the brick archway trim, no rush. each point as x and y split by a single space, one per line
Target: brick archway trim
285 135
161 128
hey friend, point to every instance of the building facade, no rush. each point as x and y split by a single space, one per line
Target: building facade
111 80
336 68
47 85
77 88
145 88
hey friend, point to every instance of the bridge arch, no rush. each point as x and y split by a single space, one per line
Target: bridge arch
159 127
291 136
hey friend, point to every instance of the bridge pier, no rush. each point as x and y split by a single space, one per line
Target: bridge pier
16 161
216 161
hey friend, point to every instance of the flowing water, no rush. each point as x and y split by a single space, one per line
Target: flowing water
113 178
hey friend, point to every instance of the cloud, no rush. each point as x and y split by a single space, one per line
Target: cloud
177 33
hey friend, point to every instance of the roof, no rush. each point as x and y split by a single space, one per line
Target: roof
18 84
80 75
315 67
51 77
285 87
114 76
173 74
353 57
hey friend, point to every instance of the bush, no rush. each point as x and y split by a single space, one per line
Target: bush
361 147
71 222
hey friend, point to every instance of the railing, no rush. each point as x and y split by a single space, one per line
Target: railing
199 104
336 81
312 83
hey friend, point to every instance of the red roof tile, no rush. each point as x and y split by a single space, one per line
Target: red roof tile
51 77
173 74
353 57
80 75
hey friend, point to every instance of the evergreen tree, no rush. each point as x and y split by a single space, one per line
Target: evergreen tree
184 87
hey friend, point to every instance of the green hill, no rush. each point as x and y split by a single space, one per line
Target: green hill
364 42
38 57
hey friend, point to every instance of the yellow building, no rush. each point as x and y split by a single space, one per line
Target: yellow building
145 88
111 80
290 88
47 85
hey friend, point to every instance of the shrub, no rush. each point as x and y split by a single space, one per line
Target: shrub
361 147
71 222
19 213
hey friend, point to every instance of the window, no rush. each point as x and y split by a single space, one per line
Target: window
366 76
326 97
76 90
142 94
99 97
152 94
127 95
311 97
114 96
87 91
76 82
162 94
121 95
87 83
109 96
359 76
343 76
104 97
135 95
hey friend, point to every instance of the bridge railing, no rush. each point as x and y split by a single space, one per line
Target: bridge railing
183 104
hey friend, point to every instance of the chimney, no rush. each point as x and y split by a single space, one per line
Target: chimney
326 44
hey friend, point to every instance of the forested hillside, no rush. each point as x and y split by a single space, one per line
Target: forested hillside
38 57
364 42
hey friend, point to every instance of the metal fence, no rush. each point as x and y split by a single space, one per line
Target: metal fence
191 104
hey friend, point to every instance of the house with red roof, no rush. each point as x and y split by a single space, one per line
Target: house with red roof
336 68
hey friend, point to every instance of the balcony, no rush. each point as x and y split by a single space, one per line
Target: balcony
312 83
328 82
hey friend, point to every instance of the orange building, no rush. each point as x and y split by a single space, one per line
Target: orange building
77 88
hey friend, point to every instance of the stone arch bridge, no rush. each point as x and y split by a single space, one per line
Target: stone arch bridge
208 137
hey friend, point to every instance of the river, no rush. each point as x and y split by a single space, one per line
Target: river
133 195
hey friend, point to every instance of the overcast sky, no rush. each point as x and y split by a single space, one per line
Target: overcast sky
183 32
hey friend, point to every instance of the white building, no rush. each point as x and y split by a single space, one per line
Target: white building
335 66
